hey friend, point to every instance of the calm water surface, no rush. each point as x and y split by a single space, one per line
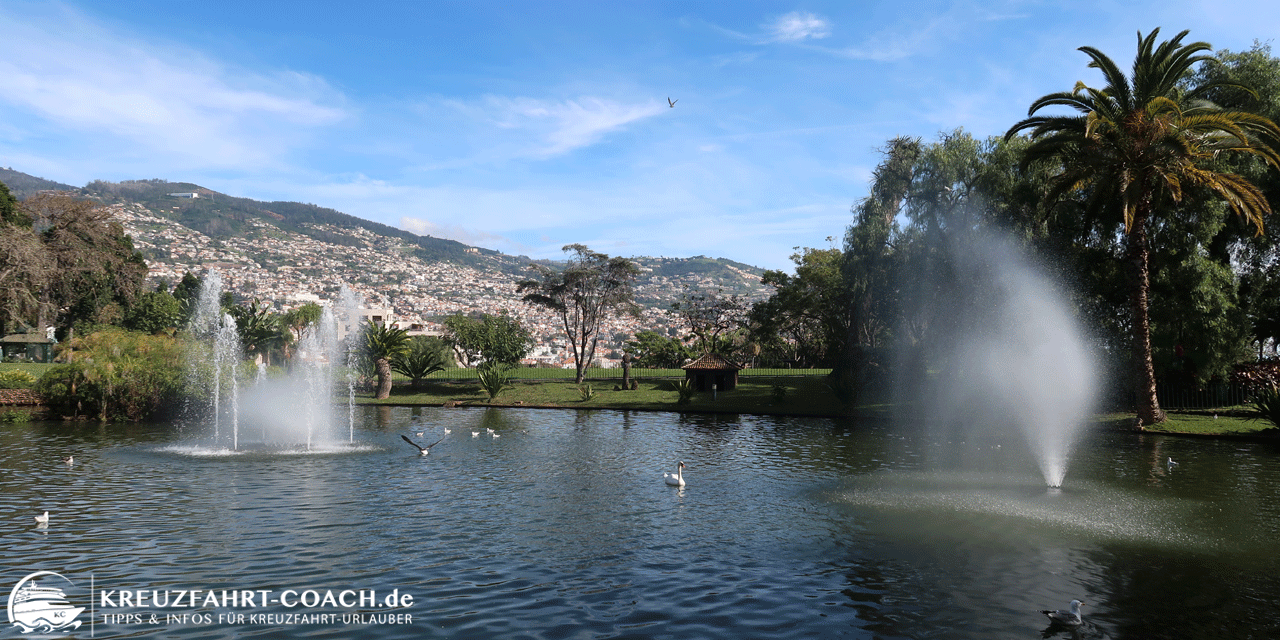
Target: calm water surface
562 528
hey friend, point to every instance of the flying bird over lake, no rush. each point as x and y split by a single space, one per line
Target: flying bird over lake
1067 618
672 103
421 449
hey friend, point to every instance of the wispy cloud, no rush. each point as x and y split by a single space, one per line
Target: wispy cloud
546 128
797 26
73 74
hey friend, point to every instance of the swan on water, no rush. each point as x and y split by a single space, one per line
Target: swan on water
675 479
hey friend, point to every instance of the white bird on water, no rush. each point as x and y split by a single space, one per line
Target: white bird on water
422 451
69 460
1068 618
675 479
44 519
1172 464
475 434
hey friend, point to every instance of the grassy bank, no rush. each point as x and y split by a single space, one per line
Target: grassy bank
802 396
1197 424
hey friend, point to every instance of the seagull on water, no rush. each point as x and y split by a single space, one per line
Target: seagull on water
418 433
69 460
1066 618
447 431
1172 464
675 479
421 449
475 434
44 519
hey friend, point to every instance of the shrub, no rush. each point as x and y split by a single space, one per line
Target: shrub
493 378
685 391
586 392
16 379
1266 405
10 416
117 375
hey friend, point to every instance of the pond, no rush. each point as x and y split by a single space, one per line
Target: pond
559 525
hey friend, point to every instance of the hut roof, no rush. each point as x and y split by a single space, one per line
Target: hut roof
26 338
713 362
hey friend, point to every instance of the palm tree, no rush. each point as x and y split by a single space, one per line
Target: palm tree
382 344
1138 145
422 357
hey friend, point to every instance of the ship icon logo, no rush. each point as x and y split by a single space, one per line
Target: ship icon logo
36 607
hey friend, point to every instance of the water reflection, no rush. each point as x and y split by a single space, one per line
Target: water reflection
563 526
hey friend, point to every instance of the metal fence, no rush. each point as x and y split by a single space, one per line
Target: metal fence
1207 396
597 373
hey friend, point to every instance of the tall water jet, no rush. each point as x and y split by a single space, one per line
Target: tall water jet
282 412
1006 350
350 303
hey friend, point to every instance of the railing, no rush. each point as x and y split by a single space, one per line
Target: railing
599 373
1201 397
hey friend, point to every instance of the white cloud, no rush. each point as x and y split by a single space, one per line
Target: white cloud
797 26
544 128
74 75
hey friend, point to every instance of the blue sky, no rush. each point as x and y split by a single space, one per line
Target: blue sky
525 126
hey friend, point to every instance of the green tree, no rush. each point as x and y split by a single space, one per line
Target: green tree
383 343
153 312
491 338
807 316
591 286
10 212
187 293
424 356
652 350
1139 144
261 331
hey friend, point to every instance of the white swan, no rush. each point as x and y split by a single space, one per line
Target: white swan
44 519
675 479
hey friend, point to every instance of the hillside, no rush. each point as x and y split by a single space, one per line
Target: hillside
283 252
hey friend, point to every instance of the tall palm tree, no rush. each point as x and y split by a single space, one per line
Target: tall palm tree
1138 145
383 343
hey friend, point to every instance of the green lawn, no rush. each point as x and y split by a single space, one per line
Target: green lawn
1205 424
800 396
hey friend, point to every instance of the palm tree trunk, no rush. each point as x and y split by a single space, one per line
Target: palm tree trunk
1148 405
383 367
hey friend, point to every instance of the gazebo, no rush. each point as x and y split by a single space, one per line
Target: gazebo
30 347
712 369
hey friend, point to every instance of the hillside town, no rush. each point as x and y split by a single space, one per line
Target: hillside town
285 270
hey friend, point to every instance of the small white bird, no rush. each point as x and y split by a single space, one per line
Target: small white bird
1067 618
1172 464
44 519
447 431
421 449
475 434
489 430
675 479
418 433
69 460
497 435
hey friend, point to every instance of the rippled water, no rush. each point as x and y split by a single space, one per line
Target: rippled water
562 528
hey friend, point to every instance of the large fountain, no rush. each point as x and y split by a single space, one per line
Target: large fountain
245 408
1006 355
